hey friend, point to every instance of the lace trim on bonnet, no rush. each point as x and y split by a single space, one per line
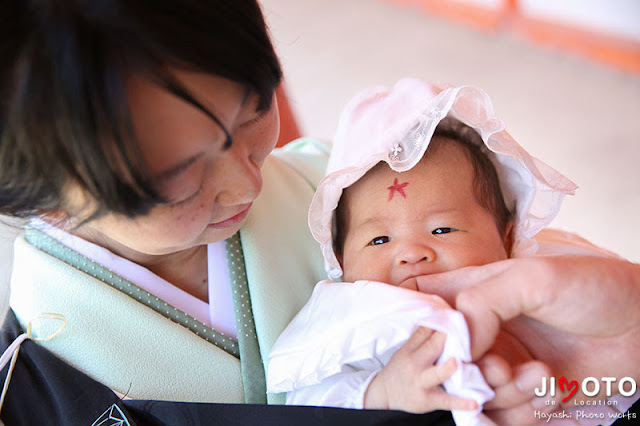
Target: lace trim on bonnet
396 125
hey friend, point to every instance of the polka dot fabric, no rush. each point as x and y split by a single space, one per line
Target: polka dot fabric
65 254
253 374
241 300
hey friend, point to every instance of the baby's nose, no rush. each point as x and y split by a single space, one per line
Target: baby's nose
415 253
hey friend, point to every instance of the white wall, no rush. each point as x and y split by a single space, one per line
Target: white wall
617 17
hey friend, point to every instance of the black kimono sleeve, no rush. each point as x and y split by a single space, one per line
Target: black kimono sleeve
44 390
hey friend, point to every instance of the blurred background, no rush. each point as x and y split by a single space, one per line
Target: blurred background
563 75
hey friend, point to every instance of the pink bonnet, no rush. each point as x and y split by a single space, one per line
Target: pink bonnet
396 125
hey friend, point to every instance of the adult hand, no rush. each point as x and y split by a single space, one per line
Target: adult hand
578 315
509 368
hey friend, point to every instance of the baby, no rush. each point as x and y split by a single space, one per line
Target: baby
421 181
445 213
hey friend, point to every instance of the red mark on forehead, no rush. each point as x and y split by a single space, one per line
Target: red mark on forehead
397 187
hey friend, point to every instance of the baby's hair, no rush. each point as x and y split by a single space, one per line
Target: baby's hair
64 112
486 184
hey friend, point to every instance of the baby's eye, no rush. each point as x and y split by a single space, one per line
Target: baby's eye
439 231
378 240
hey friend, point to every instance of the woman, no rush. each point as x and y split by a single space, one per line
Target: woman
138 134
147 127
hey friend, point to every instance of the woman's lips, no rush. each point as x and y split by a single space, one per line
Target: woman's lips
232 221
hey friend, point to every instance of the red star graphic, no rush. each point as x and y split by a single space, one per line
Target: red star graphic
397 187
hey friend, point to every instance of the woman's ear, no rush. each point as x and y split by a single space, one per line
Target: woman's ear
508 238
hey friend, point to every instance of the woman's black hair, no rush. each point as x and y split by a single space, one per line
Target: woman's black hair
64 115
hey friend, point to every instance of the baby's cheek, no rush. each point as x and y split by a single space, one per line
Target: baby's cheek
381 272
354 271
477 255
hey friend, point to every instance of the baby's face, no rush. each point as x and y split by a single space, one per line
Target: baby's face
419 222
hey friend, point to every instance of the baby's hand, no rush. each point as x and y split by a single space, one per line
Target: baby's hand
411 380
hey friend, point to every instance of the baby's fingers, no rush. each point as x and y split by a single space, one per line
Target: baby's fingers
431 349
438 374
445 401
421 336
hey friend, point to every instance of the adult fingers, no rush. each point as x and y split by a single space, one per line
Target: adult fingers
520 390
449 284
555 291
495 369
500 298
516 402
524 414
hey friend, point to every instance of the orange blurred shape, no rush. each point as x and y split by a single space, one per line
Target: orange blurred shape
289 129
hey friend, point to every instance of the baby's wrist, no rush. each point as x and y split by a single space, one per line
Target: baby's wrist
375 397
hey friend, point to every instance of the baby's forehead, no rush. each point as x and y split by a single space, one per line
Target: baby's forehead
374 179
446 166
442 150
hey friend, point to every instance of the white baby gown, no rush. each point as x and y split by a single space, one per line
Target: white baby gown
347 333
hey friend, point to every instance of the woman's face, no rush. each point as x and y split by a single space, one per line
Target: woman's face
210 189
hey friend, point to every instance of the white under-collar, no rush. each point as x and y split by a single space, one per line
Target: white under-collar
218 313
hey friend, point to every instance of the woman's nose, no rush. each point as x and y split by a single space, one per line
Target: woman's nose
414 253
241 182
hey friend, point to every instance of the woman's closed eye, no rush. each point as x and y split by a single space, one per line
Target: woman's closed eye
379 240
443 230
261 114
189 198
